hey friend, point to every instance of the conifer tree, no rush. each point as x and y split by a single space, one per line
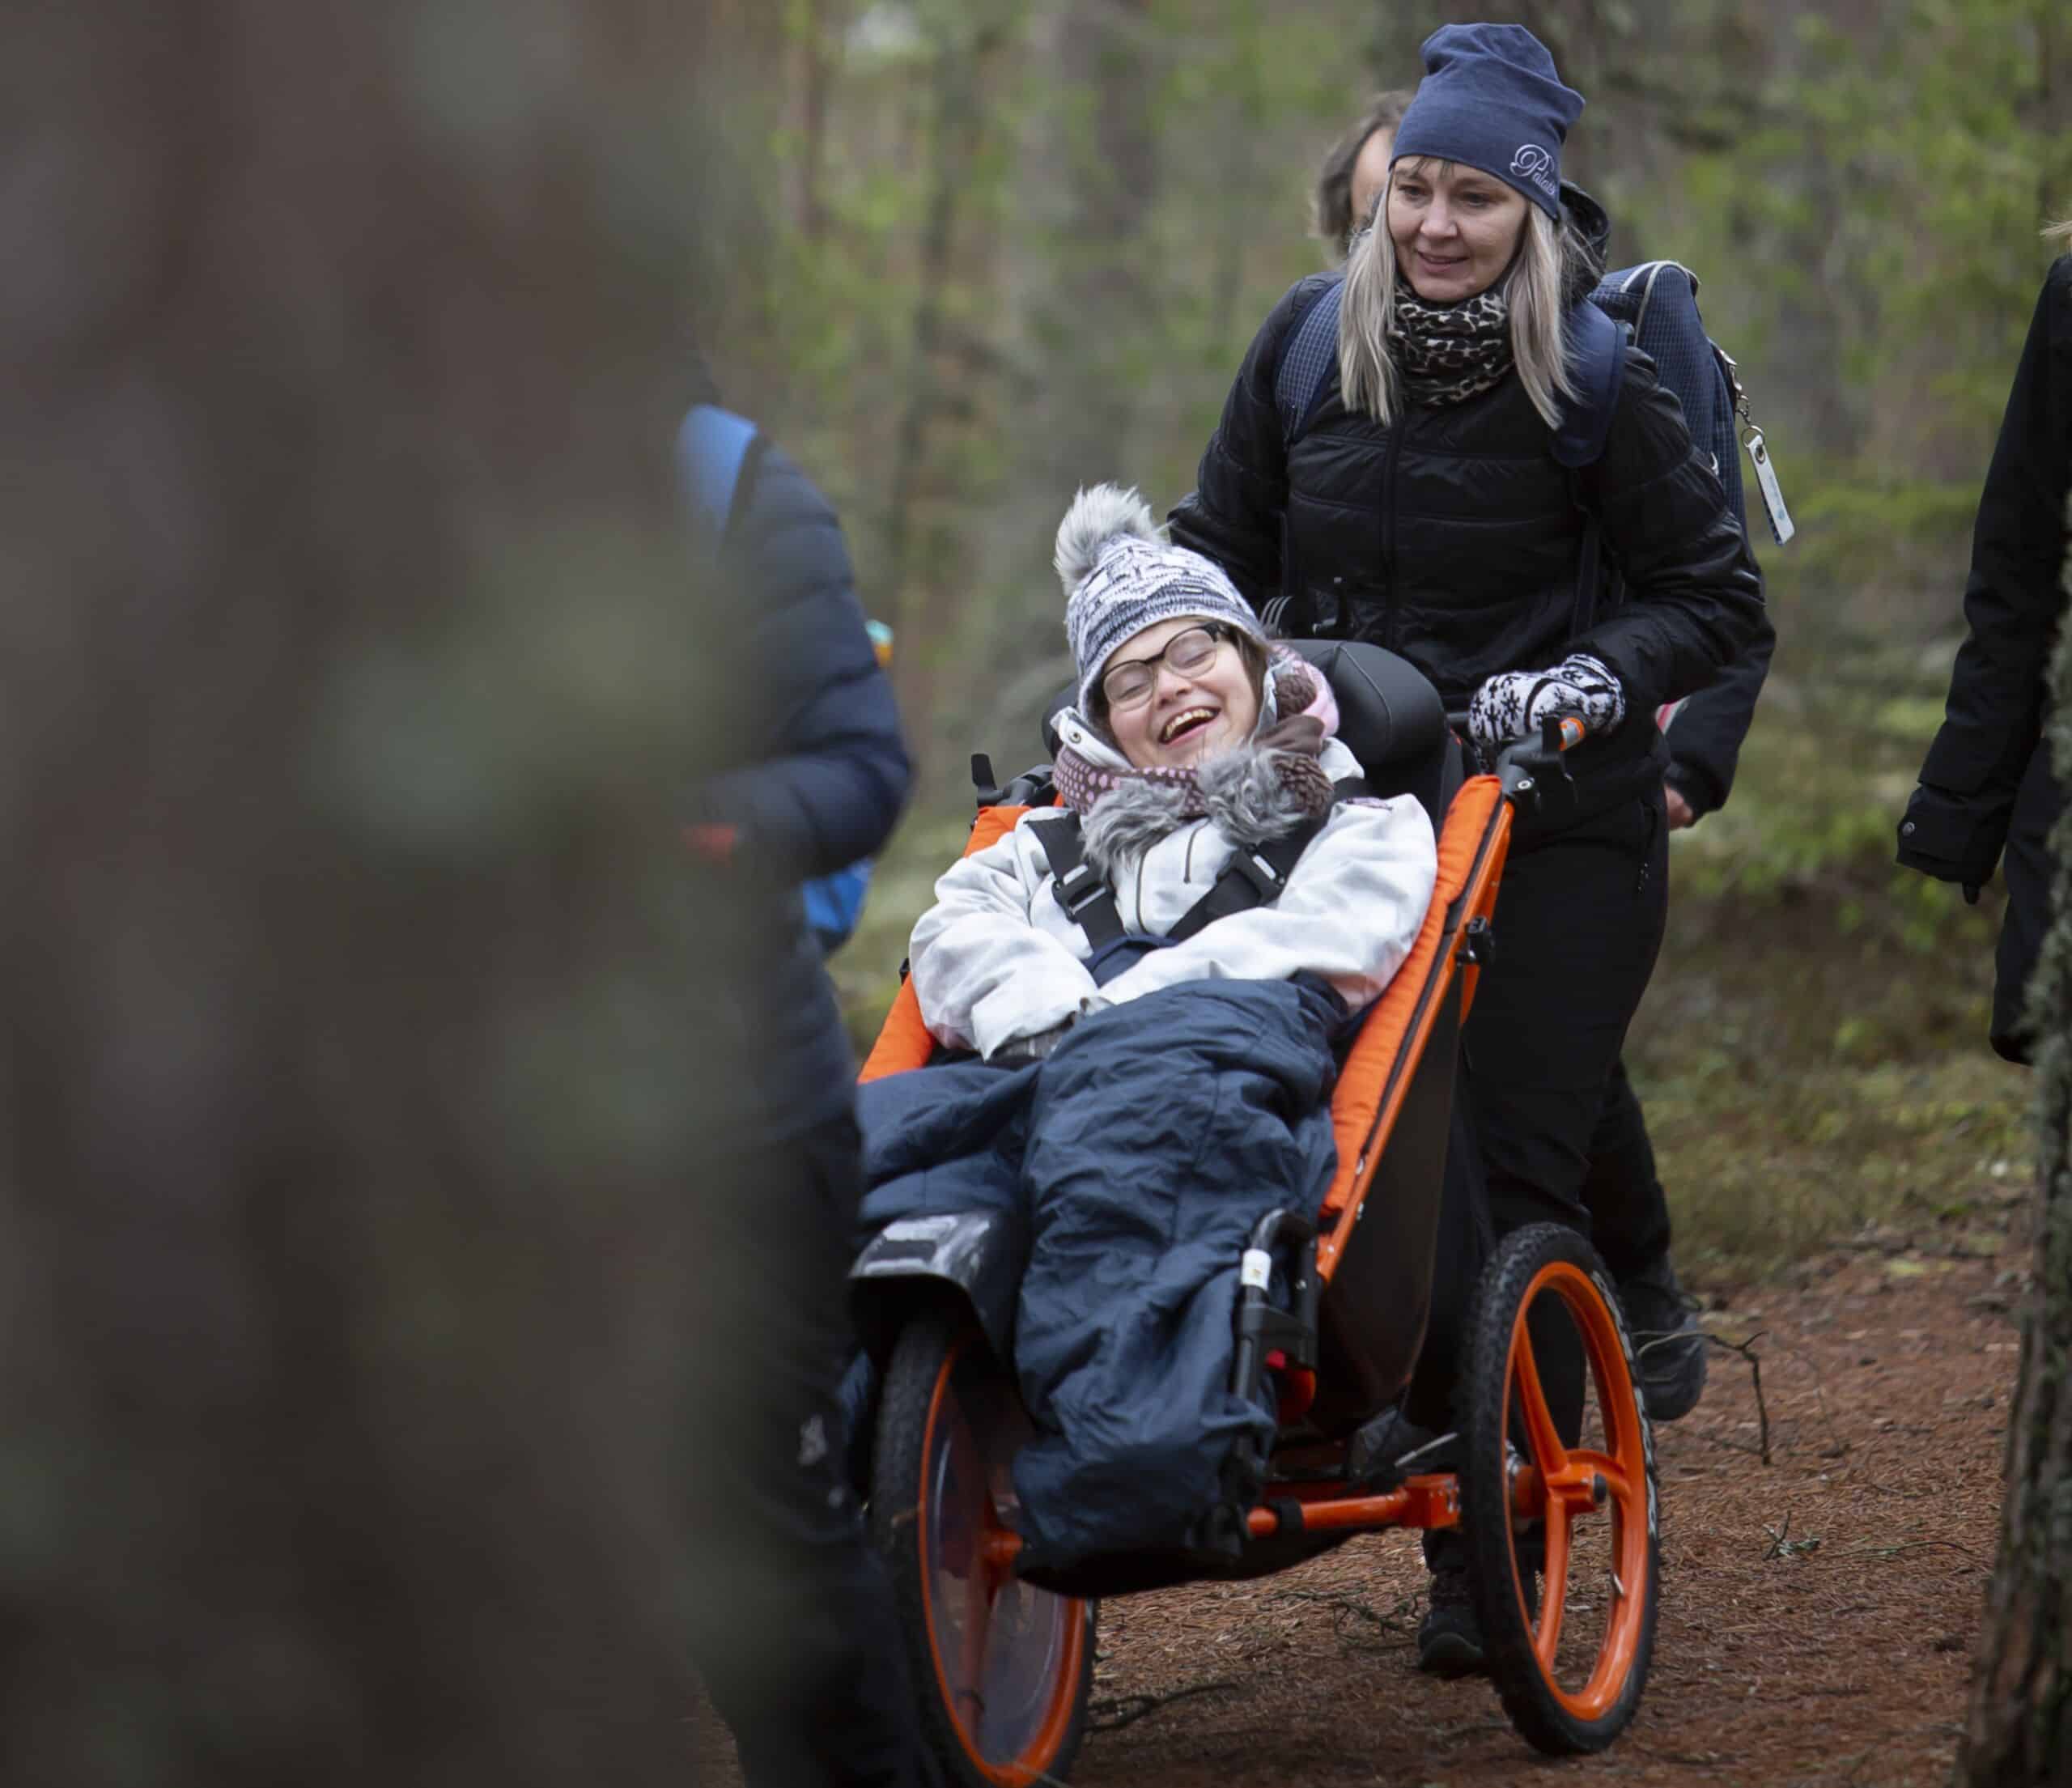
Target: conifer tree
2020 1729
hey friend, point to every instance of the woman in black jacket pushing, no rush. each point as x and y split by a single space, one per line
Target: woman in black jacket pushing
1421 506
1986 787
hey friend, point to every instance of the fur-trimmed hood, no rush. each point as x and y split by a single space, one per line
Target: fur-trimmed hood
1248 801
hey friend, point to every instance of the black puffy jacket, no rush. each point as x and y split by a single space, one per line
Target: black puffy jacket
1455 538
1957 822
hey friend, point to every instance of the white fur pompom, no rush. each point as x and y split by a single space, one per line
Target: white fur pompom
1095 518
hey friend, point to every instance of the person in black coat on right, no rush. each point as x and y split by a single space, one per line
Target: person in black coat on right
1986 790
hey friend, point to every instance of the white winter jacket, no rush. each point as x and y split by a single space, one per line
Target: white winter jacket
996 958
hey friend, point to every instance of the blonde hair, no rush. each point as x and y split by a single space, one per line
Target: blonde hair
1532 286
2060 234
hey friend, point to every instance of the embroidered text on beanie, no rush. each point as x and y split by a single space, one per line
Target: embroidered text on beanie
1491 100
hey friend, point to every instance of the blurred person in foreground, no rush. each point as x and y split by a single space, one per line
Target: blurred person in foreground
1986 787
793 1627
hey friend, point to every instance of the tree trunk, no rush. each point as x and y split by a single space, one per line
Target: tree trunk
1083 277
1100 301
821 26
2020 1734
920 551
341 1074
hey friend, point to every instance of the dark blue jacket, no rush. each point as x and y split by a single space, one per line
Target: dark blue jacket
807 773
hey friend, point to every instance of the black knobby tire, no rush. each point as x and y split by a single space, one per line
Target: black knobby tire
1509 1510
946 1425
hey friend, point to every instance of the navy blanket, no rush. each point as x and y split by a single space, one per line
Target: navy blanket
1135 1161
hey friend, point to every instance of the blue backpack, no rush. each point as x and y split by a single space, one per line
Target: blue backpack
1653 306
715 449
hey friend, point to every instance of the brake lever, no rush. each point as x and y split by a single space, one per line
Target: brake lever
1530 767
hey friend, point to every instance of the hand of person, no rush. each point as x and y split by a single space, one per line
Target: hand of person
1513 704
1680 809
1020 1051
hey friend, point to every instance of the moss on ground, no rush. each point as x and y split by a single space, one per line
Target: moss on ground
1812 1054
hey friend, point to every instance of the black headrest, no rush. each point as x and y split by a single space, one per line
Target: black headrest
1389 715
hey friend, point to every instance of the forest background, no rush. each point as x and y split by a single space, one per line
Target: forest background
982 252
356 1200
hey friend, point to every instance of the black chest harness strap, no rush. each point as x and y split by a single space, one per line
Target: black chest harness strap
1255 877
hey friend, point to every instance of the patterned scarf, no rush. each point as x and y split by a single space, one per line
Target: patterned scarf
1447 352
1295 743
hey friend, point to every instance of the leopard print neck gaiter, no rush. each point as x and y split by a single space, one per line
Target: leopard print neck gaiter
1447 352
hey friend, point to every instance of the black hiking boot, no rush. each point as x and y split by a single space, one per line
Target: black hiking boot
1669 1347
1450 1640
1449 1637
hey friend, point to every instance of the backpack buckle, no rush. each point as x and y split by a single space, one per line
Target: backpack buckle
1266 880
1078 889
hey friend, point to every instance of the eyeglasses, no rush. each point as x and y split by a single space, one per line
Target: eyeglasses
1129 684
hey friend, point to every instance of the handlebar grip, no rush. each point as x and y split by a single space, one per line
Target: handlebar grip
1573 732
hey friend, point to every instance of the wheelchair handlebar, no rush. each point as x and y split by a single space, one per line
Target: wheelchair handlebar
1522 759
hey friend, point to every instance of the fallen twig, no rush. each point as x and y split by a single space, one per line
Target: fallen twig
1746 1350
1343 1602
1781 1546
1897 1546
1117 1711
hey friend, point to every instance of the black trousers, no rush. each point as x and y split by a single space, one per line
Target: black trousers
1628 1213
1546 1129
793 1628
1578 925
2027 865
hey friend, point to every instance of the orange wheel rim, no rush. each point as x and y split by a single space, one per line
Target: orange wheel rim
1561 1485
978 1594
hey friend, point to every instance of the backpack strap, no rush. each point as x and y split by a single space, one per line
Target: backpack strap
717 455
1254 877
1088 900
1597 366
1307 363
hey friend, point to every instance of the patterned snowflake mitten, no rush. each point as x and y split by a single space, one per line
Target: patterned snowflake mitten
1513 704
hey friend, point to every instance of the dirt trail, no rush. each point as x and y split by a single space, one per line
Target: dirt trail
1819 1614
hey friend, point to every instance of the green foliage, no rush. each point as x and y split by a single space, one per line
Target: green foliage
1863 192
1860 189
1812 1053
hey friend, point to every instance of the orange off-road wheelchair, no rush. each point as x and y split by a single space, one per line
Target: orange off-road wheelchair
1550 1475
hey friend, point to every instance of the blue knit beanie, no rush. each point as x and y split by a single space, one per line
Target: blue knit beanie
1491 100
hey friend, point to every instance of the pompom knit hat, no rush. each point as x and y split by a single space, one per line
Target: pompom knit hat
1491 100
1121 576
